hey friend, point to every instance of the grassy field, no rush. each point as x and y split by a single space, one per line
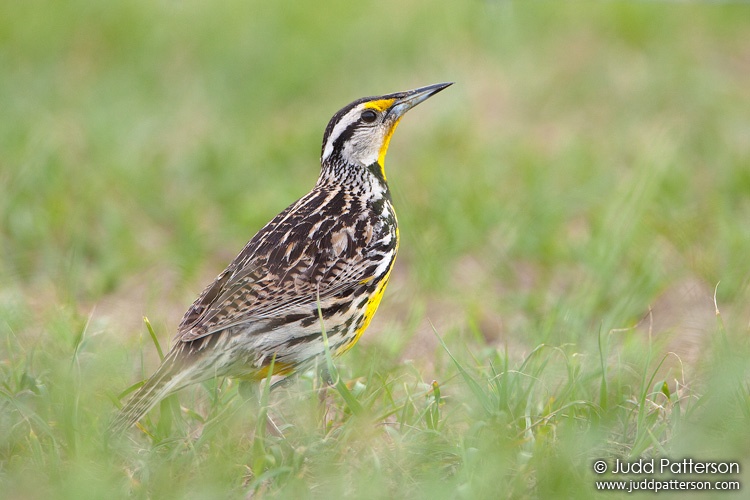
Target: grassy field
574 275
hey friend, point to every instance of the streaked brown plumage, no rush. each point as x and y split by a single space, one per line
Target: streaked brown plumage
333 249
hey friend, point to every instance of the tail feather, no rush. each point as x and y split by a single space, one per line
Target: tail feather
171 376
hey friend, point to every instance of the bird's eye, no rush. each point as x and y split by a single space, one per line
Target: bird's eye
369 116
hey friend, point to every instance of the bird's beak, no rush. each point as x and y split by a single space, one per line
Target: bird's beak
407 100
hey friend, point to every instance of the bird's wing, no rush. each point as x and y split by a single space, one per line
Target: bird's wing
279 270
256 294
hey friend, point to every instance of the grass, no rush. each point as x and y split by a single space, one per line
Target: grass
570 210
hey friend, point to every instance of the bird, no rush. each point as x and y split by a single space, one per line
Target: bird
321 265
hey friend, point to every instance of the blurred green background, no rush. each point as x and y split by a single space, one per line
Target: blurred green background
592 161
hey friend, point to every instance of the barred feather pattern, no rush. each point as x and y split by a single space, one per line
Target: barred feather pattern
332 249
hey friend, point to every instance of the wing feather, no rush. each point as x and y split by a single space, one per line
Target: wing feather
284 268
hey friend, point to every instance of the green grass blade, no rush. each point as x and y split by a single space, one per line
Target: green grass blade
154 338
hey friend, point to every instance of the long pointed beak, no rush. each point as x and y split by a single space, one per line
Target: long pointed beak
407 100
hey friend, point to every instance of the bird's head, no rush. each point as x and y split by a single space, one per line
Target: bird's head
359 133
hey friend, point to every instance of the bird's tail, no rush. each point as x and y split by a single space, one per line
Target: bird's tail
173 374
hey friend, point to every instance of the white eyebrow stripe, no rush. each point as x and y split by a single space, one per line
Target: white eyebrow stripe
343 124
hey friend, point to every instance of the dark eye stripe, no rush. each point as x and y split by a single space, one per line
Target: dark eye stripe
344 136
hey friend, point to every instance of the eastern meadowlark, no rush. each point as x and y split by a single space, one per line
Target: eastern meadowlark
327 258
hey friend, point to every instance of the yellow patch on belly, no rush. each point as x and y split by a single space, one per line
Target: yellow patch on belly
278 369
370 308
